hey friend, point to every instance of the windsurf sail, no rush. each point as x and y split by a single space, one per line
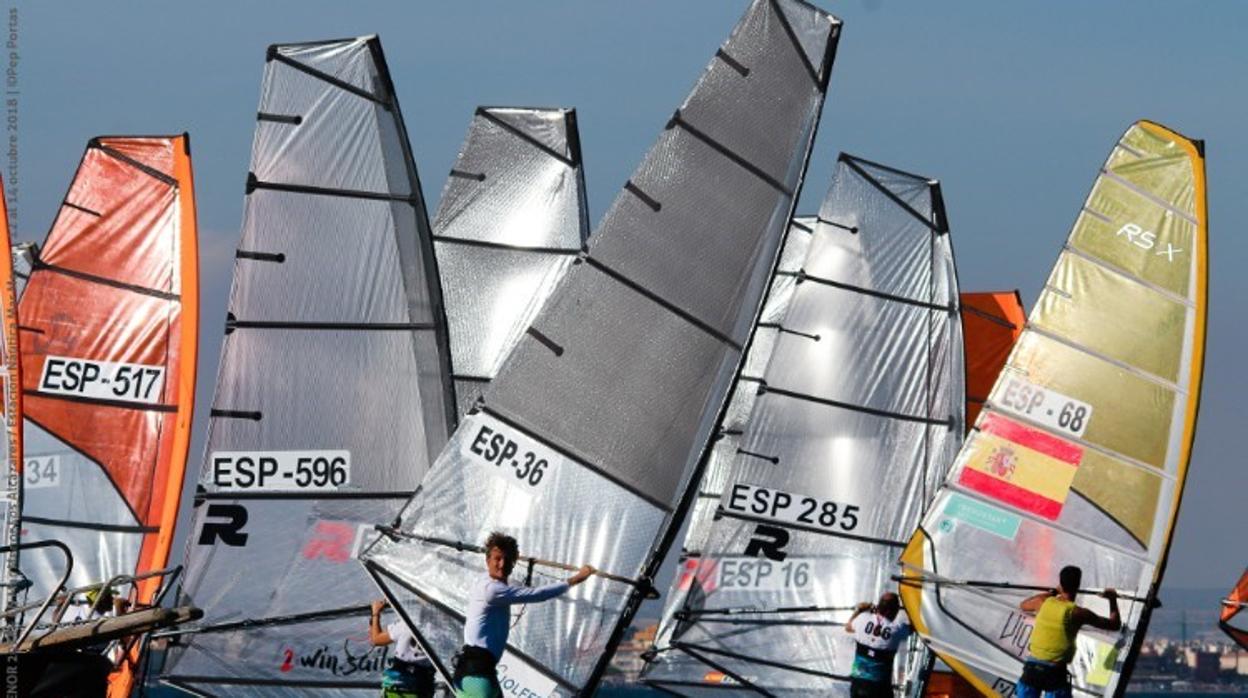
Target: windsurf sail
511 220
10 374
991 322
108 338
333 391
607 406
23 260
1232 606
857 416
1081 451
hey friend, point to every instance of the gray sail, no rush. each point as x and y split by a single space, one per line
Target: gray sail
606 407
24 256
510 222
333 393
857 417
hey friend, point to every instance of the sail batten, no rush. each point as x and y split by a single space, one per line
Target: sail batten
615 387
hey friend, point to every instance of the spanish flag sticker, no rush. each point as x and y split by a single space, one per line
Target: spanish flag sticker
1026 468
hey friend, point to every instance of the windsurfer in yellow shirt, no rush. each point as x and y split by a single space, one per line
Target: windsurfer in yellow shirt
1052 646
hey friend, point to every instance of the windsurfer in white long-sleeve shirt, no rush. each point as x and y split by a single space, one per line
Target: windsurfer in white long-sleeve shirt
488 620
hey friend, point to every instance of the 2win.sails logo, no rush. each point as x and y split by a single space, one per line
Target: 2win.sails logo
345 661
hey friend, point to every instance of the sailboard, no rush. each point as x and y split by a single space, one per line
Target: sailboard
991 322
857 415
607 405
108 339
511 220
1232 606
333 391
1081 450
10 374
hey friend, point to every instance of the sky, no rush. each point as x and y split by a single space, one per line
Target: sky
1012 106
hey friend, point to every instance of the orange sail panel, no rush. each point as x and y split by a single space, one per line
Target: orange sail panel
108 344
10 378
991 323
1232 606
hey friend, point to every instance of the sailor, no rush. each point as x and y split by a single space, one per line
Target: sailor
410 673
876 639
1052 645
488 620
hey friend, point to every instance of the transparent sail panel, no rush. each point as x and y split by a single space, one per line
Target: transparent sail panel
611 395
1080 453
333 391
858 413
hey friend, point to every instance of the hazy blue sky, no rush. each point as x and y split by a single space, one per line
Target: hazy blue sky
1013 107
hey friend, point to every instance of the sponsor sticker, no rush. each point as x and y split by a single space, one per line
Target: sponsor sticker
507 451
1101 670
41 471
520 680
981 515
1063 413
786 507
289 471
103 380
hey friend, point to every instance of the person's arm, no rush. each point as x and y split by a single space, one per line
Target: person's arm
1113 623
376 635
1032 604
858 610
501 594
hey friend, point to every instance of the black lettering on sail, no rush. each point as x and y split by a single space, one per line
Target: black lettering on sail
769 542
231 531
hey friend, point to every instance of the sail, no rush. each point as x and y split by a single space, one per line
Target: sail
607 405
10 375
728 436
1081 451
858 413
991 322
511 220
333 390
108 338
1232 606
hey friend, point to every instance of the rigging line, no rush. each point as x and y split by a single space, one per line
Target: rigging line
108 528
765 388
919 580
671 307
801 226
513 130
145 169
254 183
275 55
689 650
988 316
267 622
801 276
87 400
679 120
37 264
720 511
579 460
231 325
571 251
733 63
642 585
937 228
853 229
781 328
683 615
764 662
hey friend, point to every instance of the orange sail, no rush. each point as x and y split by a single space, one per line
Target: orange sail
991 323
1232 606
109 326
10 379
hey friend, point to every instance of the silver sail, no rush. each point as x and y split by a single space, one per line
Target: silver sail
858 415
607 405
333 393
511 219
